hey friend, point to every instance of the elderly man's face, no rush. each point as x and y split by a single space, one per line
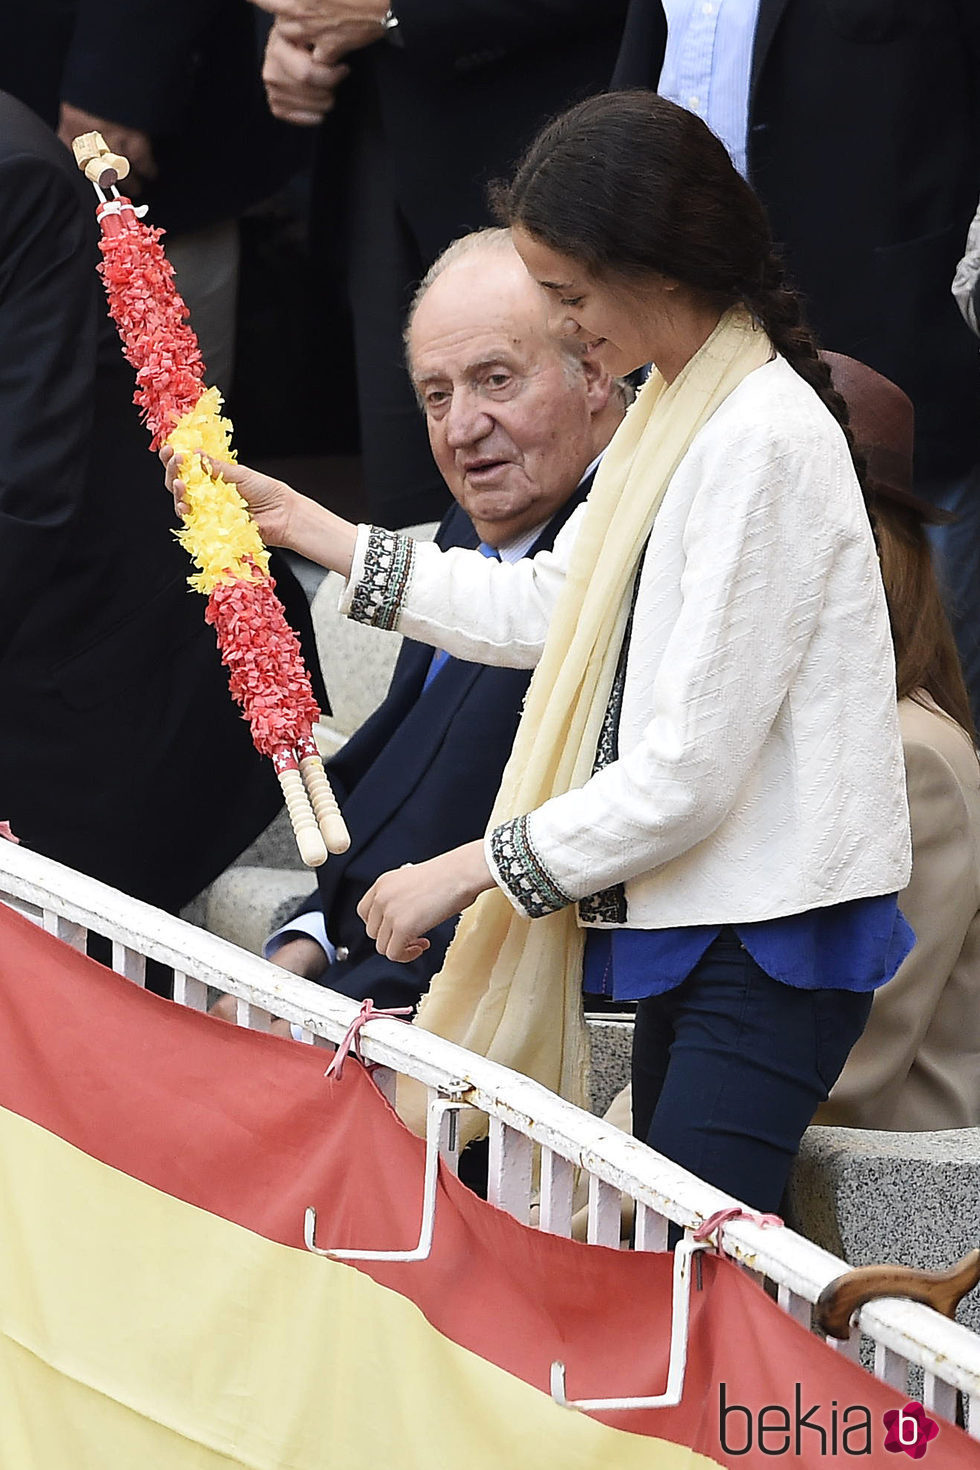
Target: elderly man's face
510 416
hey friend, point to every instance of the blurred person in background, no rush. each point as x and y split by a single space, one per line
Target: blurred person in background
425 102
917 1064
966 282
173 85
33 41
858 124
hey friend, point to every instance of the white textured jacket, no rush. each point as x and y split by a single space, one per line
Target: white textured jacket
760 766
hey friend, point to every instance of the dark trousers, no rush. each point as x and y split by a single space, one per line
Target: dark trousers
384 265
730 1066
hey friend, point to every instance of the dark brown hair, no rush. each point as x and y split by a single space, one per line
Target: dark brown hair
629 185
925 653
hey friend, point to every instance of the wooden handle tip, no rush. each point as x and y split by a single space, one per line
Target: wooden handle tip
335 835
311 848
97 161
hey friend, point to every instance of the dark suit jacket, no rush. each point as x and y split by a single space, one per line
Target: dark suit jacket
467 89
864 144
121 752
417 779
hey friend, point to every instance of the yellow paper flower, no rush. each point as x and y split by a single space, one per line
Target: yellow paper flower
218 532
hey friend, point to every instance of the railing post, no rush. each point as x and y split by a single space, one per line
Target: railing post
557 1189
74 934
650 1229
129 963
190 992
509 1172
605 1213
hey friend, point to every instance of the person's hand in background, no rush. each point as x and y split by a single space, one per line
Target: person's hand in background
133 144
331 28
299 85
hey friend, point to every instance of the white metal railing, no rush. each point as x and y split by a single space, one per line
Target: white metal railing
526 1120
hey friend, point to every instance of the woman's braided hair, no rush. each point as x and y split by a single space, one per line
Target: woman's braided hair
630 185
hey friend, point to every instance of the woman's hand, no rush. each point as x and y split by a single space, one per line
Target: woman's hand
271 503
283 516
405 904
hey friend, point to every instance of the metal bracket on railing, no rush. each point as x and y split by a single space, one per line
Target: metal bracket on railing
680 1315
438 1108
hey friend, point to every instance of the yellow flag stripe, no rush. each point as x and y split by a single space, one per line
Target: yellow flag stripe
139 1331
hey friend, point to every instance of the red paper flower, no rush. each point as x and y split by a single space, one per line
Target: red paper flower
267 675
260 650
152 319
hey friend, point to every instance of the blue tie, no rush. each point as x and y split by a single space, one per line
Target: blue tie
440 657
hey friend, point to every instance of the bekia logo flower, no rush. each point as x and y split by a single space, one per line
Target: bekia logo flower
909 1429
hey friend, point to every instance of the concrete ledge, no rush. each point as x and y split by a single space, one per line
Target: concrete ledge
274 849
612 1046
246 904
872 1197
356 660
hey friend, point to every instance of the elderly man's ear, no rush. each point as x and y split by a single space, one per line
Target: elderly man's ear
599 383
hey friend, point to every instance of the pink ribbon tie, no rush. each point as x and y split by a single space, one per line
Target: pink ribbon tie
713 1224
350 1041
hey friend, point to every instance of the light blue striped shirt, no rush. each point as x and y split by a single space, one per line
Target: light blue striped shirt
708 66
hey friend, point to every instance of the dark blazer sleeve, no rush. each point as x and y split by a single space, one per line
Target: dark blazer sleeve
356 757
133 61
34 40
472 32
386 982
641 54
48 330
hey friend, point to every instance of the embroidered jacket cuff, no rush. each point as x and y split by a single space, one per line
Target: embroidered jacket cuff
519 871
379 577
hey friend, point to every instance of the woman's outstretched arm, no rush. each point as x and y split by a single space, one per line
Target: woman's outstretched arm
475 608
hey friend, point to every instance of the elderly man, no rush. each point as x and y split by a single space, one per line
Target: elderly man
517 425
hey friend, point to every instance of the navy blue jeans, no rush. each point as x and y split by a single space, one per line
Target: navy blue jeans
729 1067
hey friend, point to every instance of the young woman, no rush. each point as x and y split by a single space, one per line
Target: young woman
707 780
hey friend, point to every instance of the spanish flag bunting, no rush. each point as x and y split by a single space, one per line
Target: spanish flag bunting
158 1308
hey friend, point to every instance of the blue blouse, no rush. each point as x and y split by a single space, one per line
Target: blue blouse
848 946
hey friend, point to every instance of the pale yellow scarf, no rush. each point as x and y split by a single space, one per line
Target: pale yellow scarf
511 988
